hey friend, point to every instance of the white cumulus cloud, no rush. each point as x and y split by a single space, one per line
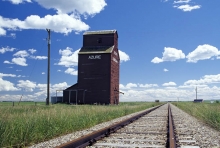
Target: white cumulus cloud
123 56
67 19
21 53
165 70
32 51
68 57
6 75
7 62
41 86
27 85
20 61
90 7
18 1
7 85
169 54
147 85
12 35
207 79
156 60
60 86
181 1
20 57
128 86
71 71
202 52
39 57
61 23
187 7
2 31
6 49
169 84
132 86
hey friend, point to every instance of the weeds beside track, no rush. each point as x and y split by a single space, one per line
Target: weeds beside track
207 112
28 124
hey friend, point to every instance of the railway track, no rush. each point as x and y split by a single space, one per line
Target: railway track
151 129
148 131
162 126
193 133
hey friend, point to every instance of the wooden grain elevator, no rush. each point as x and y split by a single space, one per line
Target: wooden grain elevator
98 70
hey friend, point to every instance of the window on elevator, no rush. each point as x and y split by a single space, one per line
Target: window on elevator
99 40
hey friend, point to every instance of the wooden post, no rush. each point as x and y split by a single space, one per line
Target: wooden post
48 69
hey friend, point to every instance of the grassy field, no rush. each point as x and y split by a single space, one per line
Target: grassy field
207 112
21 103
28 123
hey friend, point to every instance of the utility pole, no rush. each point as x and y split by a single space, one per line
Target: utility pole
196 93
48 69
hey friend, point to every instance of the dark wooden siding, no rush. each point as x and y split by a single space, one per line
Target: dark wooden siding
94 77
73 96
98 40
98 78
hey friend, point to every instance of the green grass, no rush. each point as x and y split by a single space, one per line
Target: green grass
206 112
21 103
28 124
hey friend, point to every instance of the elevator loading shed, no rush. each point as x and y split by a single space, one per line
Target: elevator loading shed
98 70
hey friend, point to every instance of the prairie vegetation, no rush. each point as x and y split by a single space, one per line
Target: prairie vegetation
206 112
28 123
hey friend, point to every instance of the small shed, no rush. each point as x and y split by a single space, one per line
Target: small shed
198 101
56 99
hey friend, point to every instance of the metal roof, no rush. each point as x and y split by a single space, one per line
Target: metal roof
198 100
100 32
96 49
72 87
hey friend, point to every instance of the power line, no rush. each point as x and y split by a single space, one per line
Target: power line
31 72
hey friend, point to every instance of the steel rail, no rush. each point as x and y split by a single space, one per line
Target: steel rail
171 137
91 138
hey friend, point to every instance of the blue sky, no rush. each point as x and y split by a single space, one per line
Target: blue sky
167 48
